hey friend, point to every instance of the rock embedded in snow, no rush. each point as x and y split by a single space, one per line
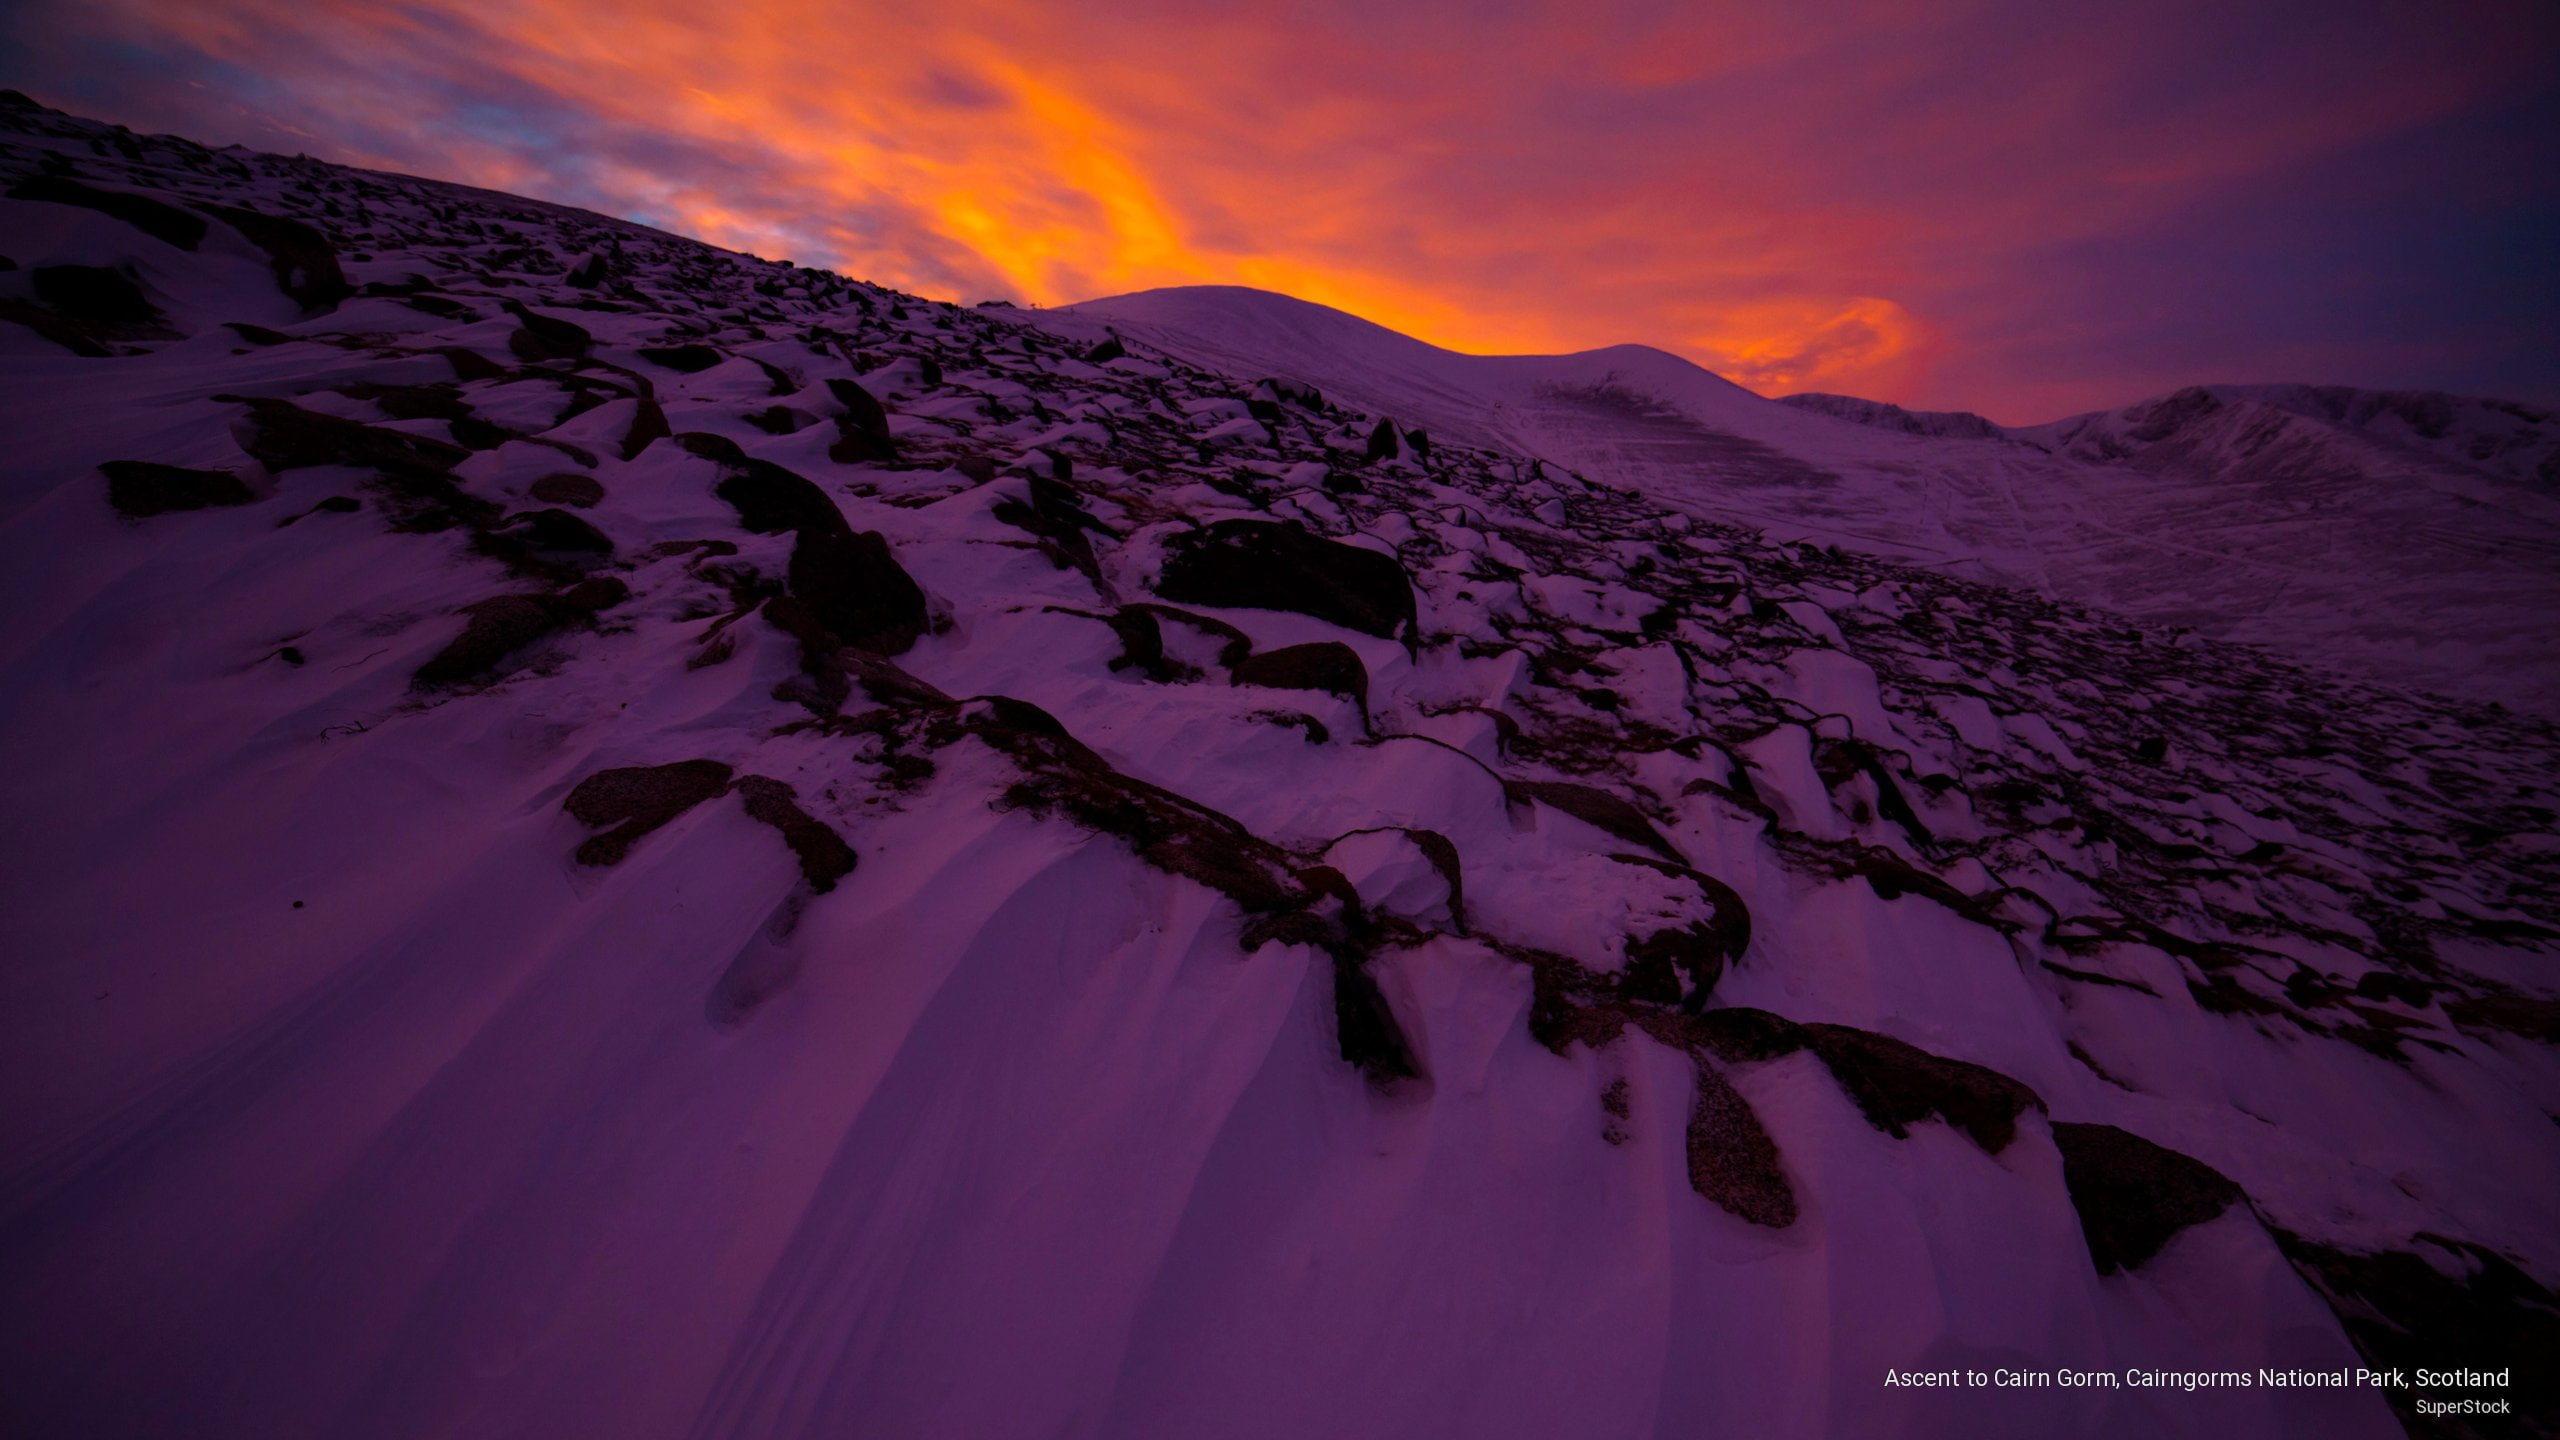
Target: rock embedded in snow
1265 565
1326 665
2133 1195
857 589
140 489
637 799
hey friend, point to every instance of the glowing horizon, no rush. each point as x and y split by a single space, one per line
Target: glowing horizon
1989 208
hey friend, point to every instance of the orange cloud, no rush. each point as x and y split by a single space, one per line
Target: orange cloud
1849 200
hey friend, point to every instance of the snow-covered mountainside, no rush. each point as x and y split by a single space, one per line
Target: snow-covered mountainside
1951 424
2222 429
2233 425
614 838
2323 524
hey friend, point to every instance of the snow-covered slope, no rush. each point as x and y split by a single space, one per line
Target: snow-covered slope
613 838
1948 424
2518 442
2325 524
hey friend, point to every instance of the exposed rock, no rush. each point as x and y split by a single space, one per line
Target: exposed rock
560 534
1327 665
140 488
1267 565
568 488
1142 647
1168 831
637 799
648 423
1897 1085
2515 1014
824 857
862 430
689 359
857 589
771 500
2463 1306
501 626
2133 1195
1732 1160
544 337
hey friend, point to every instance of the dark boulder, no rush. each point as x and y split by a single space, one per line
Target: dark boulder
637 799
1278 565
773 500
557 533
2133 1195
1897 1085
140 488
1732 1160
1364 1025
2442 1302
1109 350
499 627
469 364
1327 665
823 855
862 430
543 337
1167 831
568 488
648 423
857 588
689 359
704 445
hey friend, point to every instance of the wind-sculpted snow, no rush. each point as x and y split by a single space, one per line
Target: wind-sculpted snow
691 847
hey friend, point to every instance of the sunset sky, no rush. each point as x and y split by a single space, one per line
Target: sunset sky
2025 209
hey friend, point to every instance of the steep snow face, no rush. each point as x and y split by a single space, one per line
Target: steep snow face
2410 539
614 838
